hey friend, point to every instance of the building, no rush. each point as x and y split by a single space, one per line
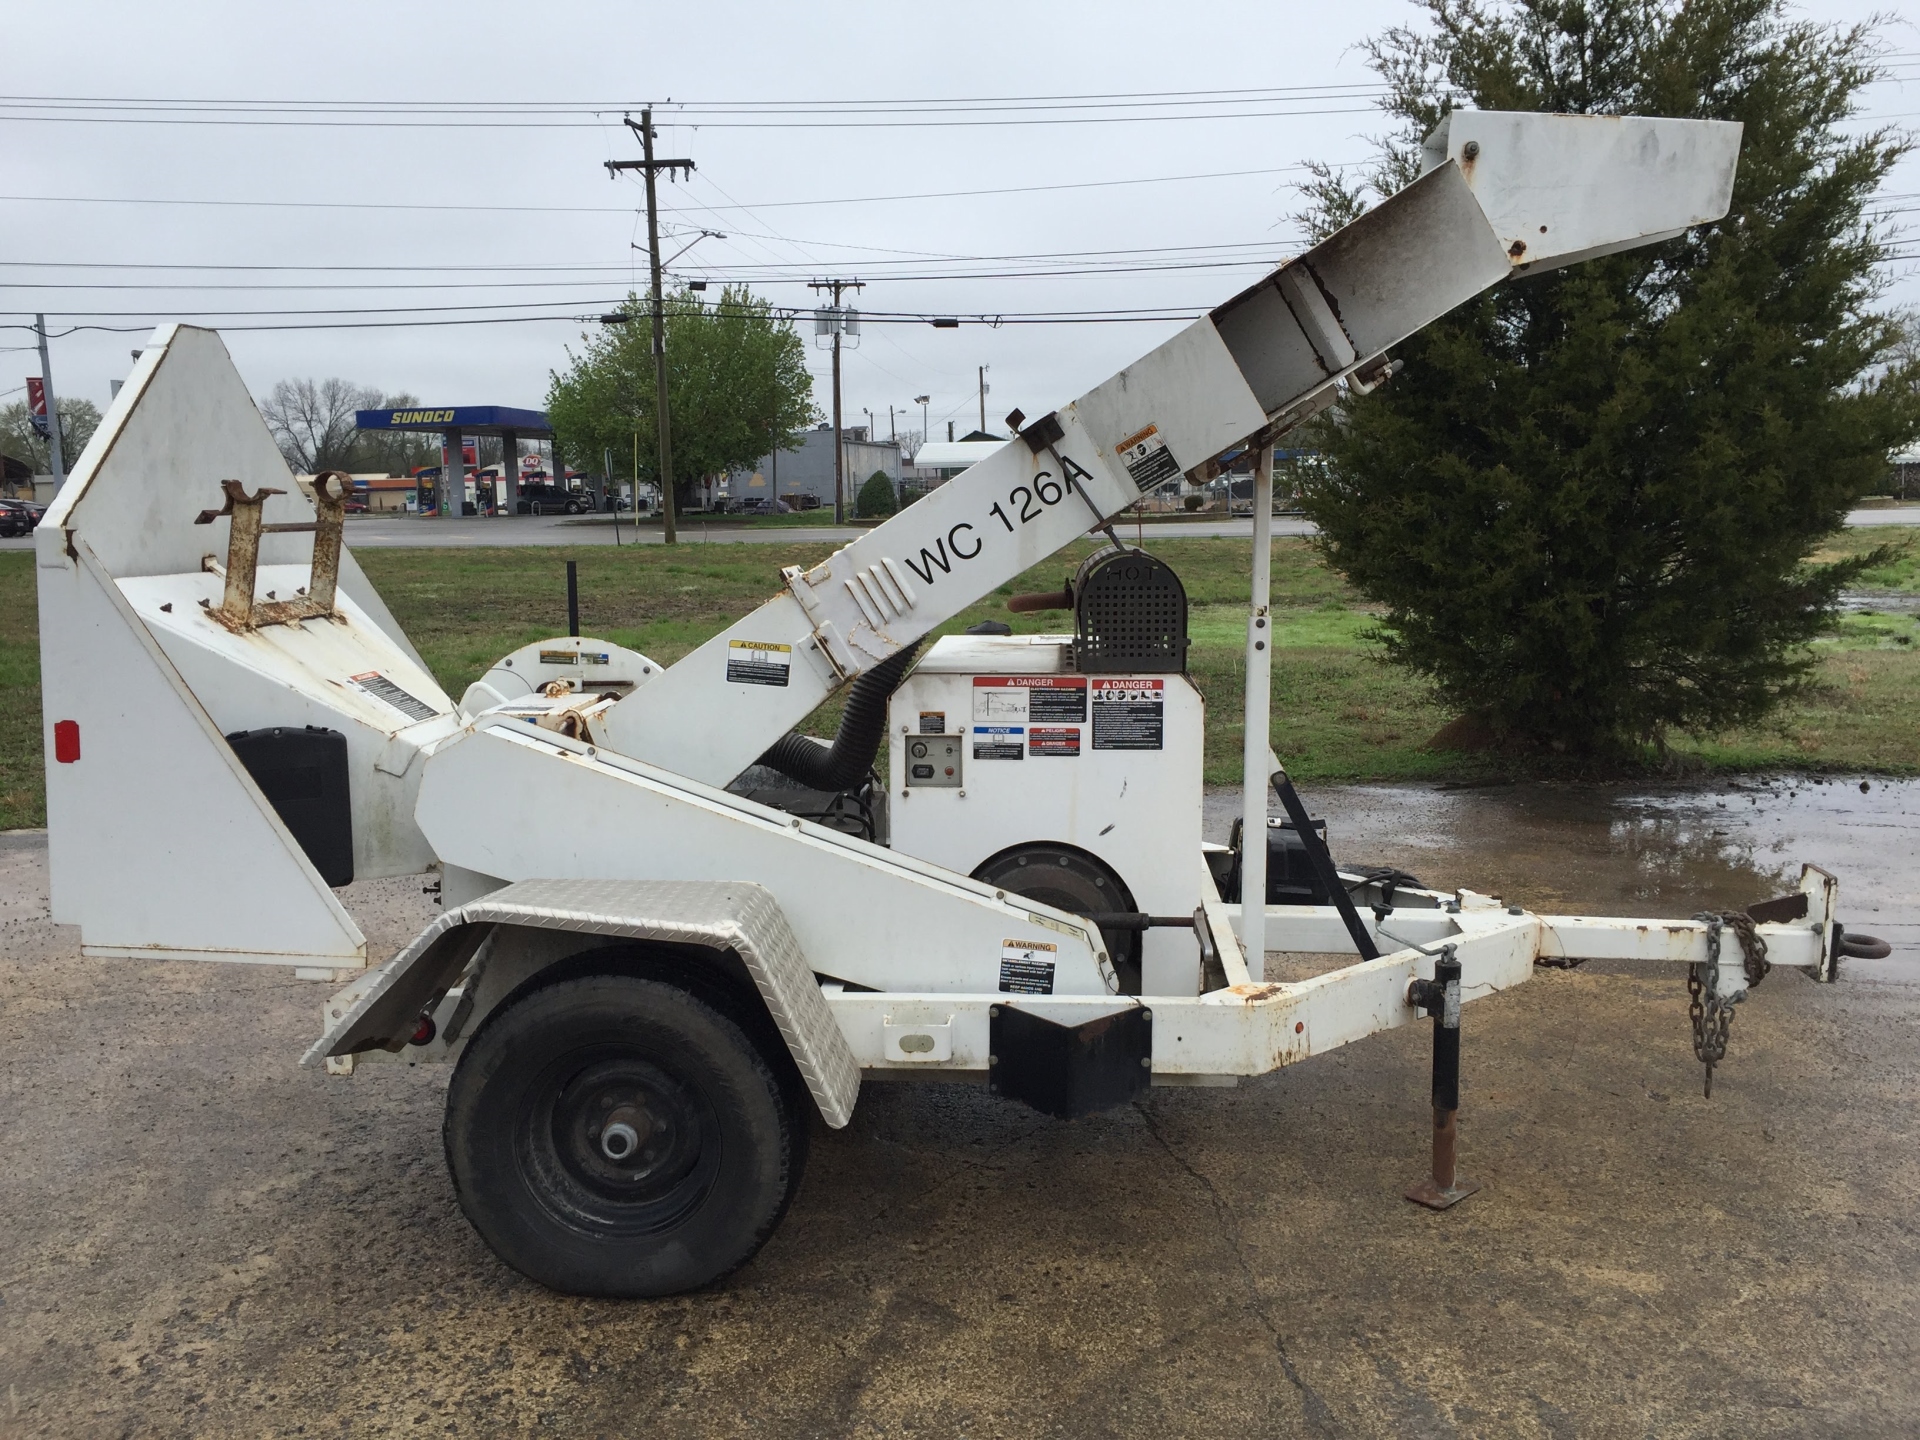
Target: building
1903 476
938 461
808 470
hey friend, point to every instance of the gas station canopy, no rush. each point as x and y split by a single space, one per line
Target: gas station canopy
467 419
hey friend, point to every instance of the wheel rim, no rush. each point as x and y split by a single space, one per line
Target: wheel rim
615 1145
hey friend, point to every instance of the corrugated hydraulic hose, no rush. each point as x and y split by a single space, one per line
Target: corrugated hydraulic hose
846 762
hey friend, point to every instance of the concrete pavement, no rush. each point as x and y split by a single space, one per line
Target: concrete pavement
204 1240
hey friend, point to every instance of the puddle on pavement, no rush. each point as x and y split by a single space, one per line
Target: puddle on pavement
1643 851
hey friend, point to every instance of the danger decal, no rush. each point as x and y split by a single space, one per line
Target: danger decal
1129 714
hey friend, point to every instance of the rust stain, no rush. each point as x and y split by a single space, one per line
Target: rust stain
1517 249
238 611
1254 993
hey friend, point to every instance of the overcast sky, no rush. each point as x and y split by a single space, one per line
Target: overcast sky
507 206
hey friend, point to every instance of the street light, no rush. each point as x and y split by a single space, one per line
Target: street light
921 401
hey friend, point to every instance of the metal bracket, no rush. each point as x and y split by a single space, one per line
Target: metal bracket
1067 1071
237 609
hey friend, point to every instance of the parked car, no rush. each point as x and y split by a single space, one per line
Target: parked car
19 517
551 500
355 506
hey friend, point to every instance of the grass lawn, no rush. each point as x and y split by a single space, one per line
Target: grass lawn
1338 713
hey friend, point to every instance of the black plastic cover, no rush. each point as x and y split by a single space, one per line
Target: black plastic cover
1067 1071
303 774
1291 876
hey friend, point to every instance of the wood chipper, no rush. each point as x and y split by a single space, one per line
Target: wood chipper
672 928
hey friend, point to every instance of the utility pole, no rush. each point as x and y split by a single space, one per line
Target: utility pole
925 434
834 319
662 426
54 454
983 399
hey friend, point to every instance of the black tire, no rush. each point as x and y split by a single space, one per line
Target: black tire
721 1139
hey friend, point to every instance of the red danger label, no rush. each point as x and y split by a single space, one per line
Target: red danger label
1053 740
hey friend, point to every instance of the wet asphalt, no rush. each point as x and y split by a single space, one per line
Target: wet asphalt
201 1239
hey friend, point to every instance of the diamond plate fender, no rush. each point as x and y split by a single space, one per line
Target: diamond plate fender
720 915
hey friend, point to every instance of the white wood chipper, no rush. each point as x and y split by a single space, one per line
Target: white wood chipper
671 926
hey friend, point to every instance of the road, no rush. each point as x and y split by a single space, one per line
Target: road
369 532
203 1240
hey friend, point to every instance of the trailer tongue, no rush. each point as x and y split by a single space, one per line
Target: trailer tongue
671 927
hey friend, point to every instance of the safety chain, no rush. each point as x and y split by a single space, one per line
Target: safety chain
1712 1017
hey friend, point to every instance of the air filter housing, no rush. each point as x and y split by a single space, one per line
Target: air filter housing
1129 615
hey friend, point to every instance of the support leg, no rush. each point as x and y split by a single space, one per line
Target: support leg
1440 997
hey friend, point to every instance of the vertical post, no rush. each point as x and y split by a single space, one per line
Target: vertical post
56 457
662 423
1444 1186
573 598
983 399
839 445
608 495
1257 740
453 487
509 492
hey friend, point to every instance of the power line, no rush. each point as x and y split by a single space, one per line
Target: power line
665 210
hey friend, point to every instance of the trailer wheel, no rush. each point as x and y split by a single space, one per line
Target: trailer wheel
619 1136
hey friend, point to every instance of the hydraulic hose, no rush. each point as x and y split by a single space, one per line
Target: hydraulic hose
846 762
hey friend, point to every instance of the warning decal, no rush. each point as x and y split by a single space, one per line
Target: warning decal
1129 714
1147 458
381 688
758 662
1053 740
1039 698
564 657
999 742
1026 967
933 722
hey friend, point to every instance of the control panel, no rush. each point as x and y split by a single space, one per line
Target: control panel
933 760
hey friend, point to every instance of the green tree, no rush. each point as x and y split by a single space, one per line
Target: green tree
737 388
78 420
1588 505
876 497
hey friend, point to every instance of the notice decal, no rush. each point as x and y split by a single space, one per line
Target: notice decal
1129 714
1027 966
758 662
1053 740
1147 458
999 742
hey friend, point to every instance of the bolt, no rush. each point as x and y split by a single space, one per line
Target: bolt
1471 150
620 1141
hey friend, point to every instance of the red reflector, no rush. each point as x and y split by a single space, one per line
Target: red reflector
66 741
424 1032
